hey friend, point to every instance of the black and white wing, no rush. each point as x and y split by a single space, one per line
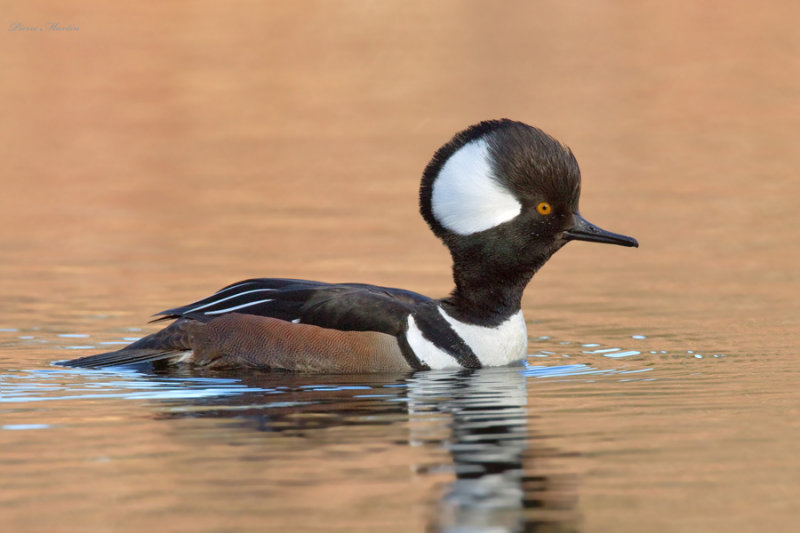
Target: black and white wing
344 306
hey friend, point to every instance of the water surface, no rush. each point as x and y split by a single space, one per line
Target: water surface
161 152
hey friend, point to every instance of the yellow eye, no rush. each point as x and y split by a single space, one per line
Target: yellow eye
544 208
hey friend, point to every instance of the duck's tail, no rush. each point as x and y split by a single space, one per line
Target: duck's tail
171 343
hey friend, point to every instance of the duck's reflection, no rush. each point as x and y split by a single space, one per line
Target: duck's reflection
481 418
497 487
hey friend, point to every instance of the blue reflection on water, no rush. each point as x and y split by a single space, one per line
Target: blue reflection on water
77 384
574 370
71 384
18 427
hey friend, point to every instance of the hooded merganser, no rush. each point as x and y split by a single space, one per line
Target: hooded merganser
502 196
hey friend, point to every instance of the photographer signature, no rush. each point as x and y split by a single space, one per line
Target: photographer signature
50 26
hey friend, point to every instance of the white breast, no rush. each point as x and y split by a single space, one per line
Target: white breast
497 346
494 346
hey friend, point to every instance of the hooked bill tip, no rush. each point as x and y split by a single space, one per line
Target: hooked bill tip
583 230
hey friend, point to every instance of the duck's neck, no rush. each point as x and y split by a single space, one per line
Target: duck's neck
486 296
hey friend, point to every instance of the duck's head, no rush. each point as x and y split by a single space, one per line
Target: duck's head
503 196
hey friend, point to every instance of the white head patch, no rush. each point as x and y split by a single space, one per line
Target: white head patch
466 198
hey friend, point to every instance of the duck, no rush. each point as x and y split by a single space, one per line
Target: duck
503 198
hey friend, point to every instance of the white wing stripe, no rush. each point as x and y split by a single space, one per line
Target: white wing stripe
192 310
235 286
235 307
